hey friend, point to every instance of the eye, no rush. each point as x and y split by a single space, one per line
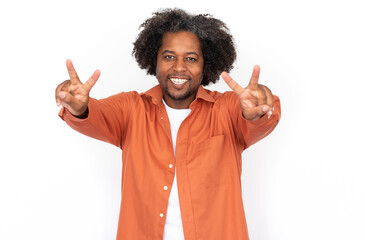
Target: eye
169 57
191 59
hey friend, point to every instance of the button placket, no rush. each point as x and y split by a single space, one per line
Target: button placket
165 188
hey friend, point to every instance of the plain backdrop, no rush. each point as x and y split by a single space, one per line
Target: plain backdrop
304 181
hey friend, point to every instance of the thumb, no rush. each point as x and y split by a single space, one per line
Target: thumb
255 113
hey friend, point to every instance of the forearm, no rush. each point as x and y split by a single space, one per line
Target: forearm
253 131
100 121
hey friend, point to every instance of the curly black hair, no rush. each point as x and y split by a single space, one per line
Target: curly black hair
217 43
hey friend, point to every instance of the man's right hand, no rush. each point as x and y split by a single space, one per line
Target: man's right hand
73 94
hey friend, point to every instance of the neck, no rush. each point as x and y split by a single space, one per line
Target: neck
178 104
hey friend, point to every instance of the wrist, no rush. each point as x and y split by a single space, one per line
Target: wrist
83 115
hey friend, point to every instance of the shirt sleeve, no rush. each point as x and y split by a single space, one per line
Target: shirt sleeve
250 132
107 119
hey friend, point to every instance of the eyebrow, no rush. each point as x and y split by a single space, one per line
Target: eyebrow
188 53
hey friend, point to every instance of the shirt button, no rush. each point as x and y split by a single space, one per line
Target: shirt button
161 118
170 166
165 187
161 214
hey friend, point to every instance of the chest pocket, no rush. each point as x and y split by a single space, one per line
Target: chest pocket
209 164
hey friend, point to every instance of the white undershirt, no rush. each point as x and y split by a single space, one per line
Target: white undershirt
173 225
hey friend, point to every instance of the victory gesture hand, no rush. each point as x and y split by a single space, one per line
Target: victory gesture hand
256 99
73 94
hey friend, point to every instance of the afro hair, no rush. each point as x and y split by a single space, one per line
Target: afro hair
217 43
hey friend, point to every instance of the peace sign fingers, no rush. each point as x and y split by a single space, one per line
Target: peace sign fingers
255 99
74 95
232 83
92 80
74 78
254 81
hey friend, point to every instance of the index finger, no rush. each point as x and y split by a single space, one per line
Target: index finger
72 72
232 83
254 81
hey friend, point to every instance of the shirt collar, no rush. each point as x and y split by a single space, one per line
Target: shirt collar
156 94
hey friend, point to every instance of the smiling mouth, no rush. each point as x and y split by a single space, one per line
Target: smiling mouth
178 81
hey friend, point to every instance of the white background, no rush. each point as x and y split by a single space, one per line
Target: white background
304 181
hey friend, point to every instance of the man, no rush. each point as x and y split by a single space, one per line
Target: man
181 144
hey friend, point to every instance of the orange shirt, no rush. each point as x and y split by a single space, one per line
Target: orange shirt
208 161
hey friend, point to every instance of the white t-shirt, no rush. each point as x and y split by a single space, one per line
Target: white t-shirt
173 225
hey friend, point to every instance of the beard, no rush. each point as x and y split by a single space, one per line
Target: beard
177 93
180 96
188 91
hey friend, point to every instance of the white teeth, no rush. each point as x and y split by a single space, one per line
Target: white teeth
178 80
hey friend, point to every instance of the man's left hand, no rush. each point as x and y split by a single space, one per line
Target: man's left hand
256 100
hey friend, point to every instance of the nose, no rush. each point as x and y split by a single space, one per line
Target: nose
179 65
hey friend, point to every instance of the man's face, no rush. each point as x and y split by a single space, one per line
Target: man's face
179 68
